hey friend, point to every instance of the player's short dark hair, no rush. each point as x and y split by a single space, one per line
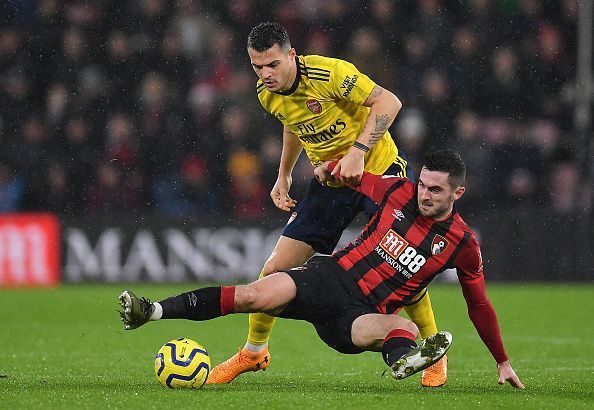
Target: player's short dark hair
447 161
266 35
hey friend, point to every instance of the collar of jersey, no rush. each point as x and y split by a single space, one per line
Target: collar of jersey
295 83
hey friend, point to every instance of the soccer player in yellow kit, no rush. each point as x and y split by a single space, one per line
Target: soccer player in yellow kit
333 111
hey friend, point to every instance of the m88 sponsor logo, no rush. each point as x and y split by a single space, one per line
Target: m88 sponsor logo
398 250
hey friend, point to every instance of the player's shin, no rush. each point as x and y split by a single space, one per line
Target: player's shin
421 313
199 304
260 328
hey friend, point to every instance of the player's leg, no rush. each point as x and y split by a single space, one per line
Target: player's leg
270 294
368 332
317 222
421 312
395 337
288 253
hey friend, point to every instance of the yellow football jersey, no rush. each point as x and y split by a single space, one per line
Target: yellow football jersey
324 109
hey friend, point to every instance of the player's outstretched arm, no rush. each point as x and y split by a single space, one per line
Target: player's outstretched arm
507 374
469 265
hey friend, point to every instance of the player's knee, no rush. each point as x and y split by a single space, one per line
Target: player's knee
249 299
271 266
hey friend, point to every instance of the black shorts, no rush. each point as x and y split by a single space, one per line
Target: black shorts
330 299
321 217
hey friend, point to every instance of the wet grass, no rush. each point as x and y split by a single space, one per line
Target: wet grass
65 348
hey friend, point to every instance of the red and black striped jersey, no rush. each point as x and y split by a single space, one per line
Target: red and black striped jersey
400 251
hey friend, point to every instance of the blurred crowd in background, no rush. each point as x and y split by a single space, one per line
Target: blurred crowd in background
150 106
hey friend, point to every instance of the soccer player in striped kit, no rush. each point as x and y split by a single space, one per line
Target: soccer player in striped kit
352 297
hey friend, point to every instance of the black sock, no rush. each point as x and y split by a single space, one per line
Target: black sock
396 344
199 304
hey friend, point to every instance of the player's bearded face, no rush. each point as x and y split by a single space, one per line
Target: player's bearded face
435 194
275 67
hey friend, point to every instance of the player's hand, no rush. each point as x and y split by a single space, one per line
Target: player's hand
507 374
350 167
280 193
322 173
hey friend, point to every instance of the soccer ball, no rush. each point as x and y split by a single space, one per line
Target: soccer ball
182 364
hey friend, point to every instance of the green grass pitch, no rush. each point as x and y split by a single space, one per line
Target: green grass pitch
65 348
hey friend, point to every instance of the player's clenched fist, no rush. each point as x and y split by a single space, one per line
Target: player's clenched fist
322 173
350 167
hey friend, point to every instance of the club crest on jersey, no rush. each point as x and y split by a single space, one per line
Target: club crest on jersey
438 244
314 106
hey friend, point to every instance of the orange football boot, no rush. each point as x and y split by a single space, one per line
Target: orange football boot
436 375
243 361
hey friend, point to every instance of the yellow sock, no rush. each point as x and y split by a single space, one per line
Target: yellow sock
260 326
421 313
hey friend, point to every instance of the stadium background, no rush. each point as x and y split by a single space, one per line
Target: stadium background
132 145
132 148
